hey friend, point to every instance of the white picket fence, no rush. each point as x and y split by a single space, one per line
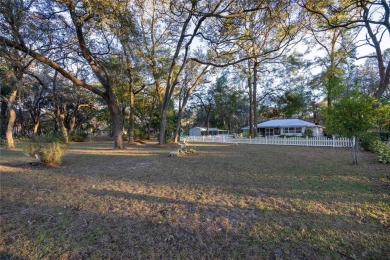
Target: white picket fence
300 141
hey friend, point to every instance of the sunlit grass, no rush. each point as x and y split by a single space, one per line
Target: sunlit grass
229 201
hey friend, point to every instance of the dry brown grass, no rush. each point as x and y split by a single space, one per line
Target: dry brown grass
229 201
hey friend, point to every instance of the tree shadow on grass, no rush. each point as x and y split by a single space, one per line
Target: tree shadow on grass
43 231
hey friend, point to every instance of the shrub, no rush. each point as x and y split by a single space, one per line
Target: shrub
368 140
308 132
139 134
78 137
50 138
125 138
383 151
245 134
52 153
47 153
384 136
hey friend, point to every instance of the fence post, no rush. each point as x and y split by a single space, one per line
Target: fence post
307 141
334 141
266 140
250 139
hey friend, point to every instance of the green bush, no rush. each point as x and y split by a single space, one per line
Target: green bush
52 153
139 134
308 133
78 137
383 151
51 138
368 140
47 153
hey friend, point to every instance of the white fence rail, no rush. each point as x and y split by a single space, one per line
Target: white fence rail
300 141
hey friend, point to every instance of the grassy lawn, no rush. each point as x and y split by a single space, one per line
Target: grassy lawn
229 201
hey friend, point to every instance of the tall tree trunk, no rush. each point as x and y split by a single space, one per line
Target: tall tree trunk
4 119
132 110
254 100
163 124
178 125
23 126
251 122
355 151
182 106
207 122
187 93
117 126
149 125
72 124
328 101
11 120
60 120
35 129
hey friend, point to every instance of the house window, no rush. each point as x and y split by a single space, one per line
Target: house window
293 130
269 131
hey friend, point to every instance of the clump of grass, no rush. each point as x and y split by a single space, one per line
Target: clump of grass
187 151
47 153
52 153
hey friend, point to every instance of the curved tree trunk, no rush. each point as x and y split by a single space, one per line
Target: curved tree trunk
35 129
60 120
11 120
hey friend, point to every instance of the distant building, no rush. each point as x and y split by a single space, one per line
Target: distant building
199 131
288 127
103 131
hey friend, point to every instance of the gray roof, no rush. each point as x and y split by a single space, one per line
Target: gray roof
205 128
283 123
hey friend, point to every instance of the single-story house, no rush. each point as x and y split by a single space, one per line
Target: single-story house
199 131
288 127
103 131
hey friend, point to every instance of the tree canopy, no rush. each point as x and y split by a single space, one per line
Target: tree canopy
159 67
